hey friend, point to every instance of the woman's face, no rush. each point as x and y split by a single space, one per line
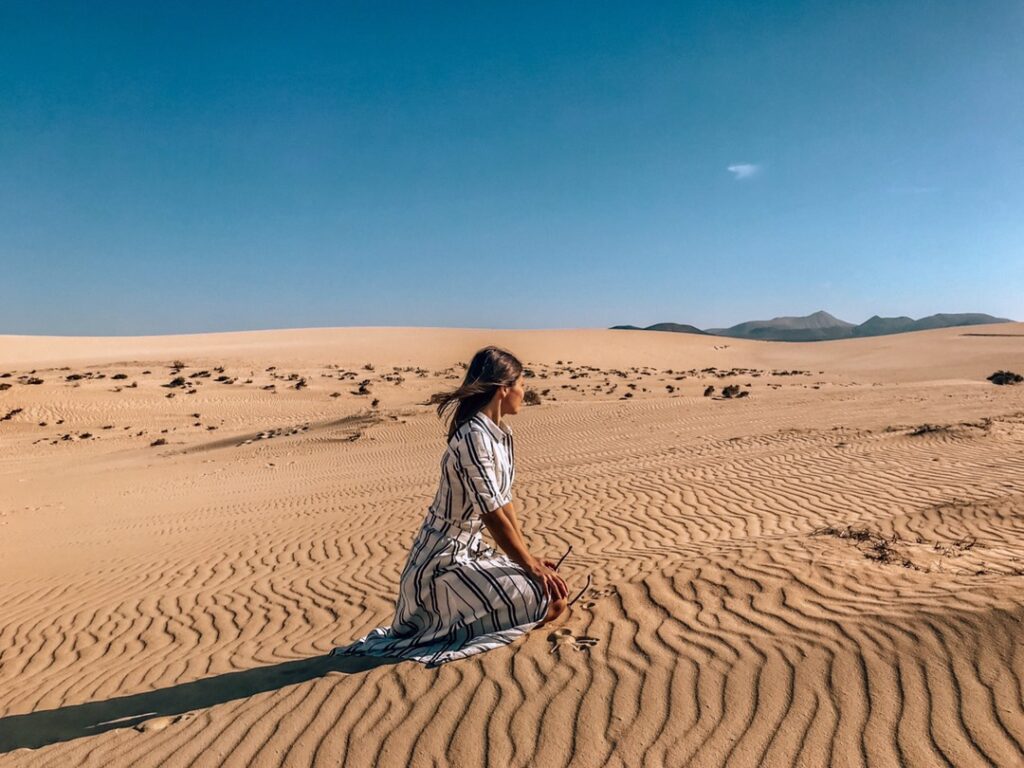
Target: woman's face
514 399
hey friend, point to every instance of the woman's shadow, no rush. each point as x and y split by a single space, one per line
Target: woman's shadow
38 729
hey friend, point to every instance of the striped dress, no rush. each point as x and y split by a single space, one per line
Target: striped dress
458 597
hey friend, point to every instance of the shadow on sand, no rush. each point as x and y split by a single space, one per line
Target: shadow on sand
38 729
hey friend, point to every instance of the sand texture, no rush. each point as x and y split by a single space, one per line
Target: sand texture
828 571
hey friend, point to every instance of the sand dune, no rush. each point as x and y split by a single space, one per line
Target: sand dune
826 572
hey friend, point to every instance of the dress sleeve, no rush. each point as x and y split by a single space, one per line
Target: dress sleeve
476 470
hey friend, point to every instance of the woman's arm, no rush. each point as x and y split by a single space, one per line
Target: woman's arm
510 512
504 527
505 530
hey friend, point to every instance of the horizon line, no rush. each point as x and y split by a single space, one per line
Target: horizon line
417 327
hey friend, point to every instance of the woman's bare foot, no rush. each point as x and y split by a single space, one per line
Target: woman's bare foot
555 609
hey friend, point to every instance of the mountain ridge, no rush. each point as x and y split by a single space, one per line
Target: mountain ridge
822 326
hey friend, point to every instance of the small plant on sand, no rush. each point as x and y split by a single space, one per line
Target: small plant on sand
956 547
531 397
926 429
1006 377
873 545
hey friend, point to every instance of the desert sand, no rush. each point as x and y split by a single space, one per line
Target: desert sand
827 571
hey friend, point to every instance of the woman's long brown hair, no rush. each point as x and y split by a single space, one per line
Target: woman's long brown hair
490 368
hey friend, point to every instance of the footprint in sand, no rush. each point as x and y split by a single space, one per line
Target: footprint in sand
564 638
593 596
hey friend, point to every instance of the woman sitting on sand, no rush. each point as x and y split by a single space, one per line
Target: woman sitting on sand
457 597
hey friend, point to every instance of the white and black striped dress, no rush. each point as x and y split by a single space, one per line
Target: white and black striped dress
458 597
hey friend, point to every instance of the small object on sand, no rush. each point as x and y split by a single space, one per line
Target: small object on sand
580 593
586 586
563 557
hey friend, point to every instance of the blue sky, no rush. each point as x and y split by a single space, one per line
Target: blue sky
171 167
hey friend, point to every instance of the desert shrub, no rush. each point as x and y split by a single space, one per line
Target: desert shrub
925 429
1006 377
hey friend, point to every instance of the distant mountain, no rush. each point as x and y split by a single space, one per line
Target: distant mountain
822 326
952 321
815 327
673 327
880 326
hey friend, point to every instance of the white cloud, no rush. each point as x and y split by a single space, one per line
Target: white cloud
912 189
742 171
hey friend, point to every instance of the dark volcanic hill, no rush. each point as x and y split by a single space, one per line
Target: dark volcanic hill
673 327
822 326
880 326
676 328
951 321
815 327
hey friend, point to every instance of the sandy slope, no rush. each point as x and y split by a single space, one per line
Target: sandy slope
791 578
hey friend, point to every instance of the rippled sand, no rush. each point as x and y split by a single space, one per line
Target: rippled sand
827 571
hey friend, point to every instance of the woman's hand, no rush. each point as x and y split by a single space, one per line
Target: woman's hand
554 585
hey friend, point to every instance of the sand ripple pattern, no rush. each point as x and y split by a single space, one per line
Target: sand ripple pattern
723 628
